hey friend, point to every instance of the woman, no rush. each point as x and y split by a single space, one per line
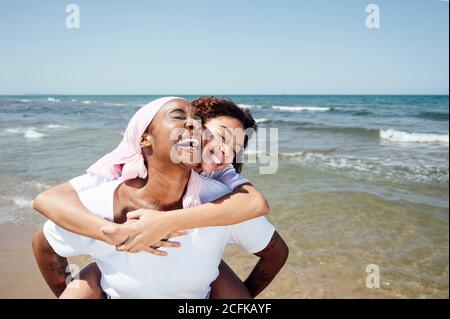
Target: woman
136 192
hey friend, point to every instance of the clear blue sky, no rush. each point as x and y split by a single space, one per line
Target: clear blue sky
224 47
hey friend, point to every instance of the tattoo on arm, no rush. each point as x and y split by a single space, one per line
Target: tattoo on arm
59 266
51 265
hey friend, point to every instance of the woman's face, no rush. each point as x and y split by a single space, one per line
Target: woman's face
171 135
223 138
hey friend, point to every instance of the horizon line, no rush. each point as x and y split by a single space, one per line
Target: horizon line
230 94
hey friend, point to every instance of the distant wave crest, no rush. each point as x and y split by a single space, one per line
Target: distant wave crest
400 136
114 104
250 106
301 108
56 126
28 133
34 133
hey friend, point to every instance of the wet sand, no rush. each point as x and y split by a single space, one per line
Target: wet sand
20 274
21 277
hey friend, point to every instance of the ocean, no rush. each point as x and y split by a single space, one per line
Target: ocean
361 180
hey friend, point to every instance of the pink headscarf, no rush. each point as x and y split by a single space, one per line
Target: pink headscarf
127 162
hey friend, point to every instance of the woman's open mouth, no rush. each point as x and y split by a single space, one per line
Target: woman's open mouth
189 144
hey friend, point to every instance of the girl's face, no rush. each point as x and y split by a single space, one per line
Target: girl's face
223 138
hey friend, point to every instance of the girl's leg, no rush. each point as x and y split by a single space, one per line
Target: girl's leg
87 286
228 285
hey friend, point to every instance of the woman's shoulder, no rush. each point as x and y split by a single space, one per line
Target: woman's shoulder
87 181
100 199
106 186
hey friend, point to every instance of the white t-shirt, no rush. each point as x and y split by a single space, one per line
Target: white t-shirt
186 272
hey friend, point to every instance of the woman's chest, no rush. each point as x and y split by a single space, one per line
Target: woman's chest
186 272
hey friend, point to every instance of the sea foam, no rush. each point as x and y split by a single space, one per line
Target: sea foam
400 136
373 168
56 126
33 134
301 108
28 133
250 106
114 104
22 202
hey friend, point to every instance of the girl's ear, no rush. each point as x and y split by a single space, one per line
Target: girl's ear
146 140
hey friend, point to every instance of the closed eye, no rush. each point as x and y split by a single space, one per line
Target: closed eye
178 114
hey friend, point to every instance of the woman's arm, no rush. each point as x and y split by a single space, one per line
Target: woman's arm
62 205
52 266
244 203
272 259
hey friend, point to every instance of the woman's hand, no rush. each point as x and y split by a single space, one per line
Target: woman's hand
116 234
145 230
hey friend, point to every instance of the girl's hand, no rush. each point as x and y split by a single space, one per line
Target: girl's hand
146 230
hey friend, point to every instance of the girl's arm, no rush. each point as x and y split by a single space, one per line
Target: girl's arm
244 203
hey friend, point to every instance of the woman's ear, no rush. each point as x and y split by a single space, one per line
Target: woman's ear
146 140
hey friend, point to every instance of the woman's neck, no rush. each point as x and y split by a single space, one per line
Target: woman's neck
163 189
